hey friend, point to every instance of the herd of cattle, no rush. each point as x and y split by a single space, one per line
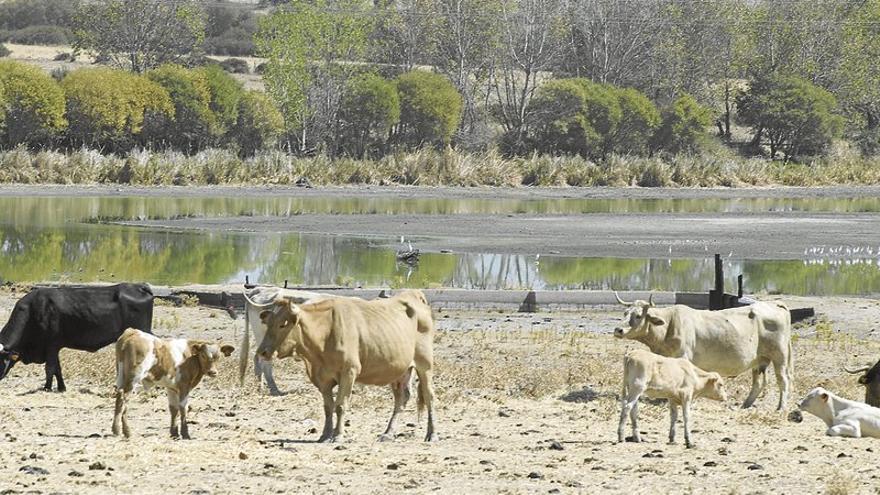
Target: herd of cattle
343 340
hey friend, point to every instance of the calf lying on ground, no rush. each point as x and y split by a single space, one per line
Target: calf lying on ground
659 377
844 418
176 364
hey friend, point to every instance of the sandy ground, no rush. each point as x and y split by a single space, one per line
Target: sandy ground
527 403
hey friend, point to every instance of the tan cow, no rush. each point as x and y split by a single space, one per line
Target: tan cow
343 341
674 379
176 364
730 341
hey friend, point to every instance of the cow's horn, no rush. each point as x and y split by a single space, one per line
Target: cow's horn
651 300
1 347
857 370
621 301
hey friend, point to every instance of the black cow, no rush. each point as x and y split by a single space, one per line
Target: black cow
871 381
77 317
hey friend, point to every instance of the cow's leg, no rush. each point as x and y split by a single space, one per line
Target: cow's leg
686 415
400 389
757 388
269 372
53 369
173 408
782 383
121 413
117 413
673 418
845 430
426 400
343 396
327 393
184 428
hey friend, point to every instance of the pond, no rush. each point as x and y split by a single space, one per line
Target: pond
69 239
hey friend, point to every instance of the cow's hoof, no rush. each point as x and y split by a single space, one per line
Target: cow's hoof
690 445
325 439
277 393
633 439
385 437
433 437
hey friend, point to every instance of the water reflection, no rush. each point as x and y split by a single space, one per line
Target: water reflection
46 239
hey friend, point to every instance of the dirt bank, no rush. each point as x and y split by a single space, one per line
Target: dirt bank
509 386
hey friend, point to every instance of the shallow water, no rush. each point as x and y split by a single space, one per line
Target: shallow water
66 238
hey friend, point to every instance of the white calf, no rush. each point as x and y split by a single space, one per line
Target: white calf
844 418
675 379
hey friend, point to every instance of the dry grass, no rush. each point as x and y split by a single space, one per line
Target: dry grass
426 168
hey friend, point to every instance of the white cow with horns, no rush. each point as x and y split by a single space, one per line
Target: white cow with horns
729 341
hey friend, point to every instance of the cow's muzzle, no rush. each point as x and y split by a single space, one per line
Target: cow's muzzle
211 373
618 332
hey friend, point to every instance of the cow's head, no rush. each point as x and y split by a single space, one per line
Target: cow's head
7 361
208 355
714 387
638 318
871 380
279 321
816 402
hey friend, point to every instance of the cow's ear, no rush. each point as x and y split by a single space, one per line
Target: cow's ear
824 397
864 380
656 320
226 349
264 315
197 347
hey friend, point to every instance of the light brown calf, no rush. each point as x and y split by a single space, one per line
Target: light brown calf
176 364
659 377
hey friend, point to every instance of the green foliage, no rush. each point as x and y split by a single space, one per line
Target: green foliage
303 42
230 31
430 109
858 76
592 120
34 105
796 116
370 107
235 66
194 124
683 126
107 108
225 94
259 123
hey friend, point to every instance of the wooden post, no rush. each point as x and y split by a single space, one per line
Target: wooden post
285 283
739 283
716 295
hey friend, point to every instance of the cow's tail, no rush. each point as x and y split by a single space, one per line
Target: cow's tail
420 402
245 346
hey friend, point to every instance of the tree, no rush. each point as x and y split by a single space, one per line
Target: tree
193 125
309 45
107 108
404 32
370 108
794 115
258 125
530 44
34 105
639 119
430 109
466 36
139 35
226 93
683 126
858 77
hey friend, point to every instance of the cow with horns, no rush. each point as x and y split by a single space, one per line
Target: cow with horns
729 342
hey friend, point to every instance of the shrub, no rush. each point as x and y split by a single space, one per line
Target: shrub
683 126
259 123
235 66
370 107
592 120
430 108
64 57
34 105
236 42
4 52
194 124
107 107
794 115
225 94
